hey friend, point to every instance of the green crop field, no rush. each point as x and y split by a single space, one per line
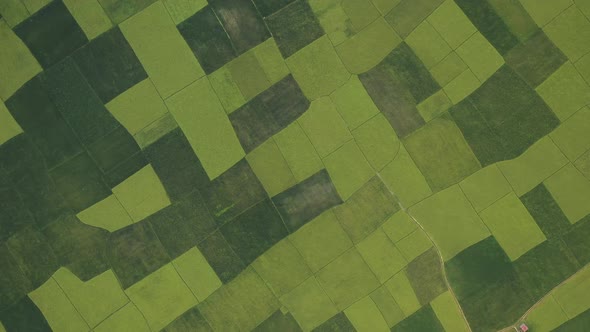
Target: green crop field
294 165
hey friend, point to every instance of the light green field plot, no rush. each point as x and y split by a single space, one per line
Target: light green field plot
451 221
243 303
271 168
8 126
33 6
180 10
399 226
227 90
17 64
153 36
127 318
282 268
196 272
583 164
347 279
57 308
333 19
324 126
448 69
403 177
108 214
14 12
559 30
201 117
384 6
138 107
365 316
321 240
161 297
354 103
512 226
434 105
451 23
462 86
481 57
400 288
485 186
428 44
317 69
348 169
390 310
543 13
368 47
441 153
448 313
546 316
574 295
571 190
372 203
583 65
309 304
565 91
298 151
247 72
414 244
155 130
90 16
378 141
533 166
270 59
360 12
142 194
95 299
381 255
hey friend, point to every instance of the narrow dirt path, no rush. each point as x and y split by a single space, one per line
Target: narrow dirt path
442 262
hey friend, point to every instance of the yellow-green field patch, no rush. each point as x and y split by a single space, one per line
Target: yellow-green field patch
378 141
512 226
348 169
309 304
95 299
572 135
142 194
368 47
448 313
571 191
365 316
485 186
321 240
451 221
546 316
381 255
196 272
161 297
17 64
317 69
533 166
153 36
108 214
202 119
57 308
271 168
138 107
298 152
354 103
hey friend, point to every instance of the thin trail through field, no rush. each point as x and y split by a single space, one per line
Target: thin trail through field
442 262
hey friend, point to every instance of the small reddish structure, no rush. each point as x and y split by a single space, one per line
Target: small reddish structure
523 327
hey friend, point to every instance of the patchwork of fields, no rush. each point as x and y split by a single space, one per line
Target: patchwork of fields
294 165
